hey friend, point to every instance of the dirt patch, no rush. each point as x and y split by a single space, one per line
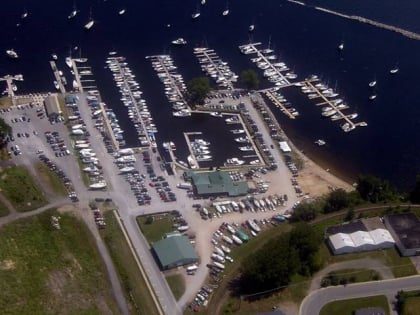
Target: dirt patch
7 264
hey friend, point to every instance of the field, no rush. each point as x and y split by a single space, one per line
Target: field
51 179
131 279
347 307
162 223
177 284
20 189
3 209
344 276
44 270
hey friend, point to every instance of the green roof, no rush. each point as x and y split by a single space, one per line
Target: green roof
175 250
217 182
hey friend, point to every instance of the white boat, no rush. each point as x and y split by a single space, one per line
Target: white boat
12 53
225 12
121 12
75 85
73 13
237 240
182 113
218 251
218 265
203 2
196 14
234 161
253 226
89 24
353 116
24 14
320 142
237 131
372 97
56 85
242 139
341 46
179 41
99 185
227 239
78 132
216 114
372 83
69 63
251 27
127 169
54 56
246 148
225 249
329 113
394 70
203 157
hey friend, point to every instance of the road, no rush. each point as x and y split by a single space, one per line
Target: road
313 303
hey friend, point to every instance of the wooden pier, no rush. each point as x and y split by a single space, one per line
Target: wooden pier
57 76
279 104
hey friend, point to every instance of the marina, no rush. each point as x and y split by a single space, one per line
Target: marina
215 68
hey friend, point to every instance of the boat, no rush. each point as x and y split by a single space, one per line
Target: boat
346 127
54 56
203 157
320 142
179 41
75 85
234 161
226 12
372 83
251 27
121 12
242 139
69 62
253 226
182 113
203 2
127 169
341 46
24 15
372 97
394 70
225 249
329 113
89 24
246 148
12 53
216 114
196 14
353 116
56 85
237 131
73 13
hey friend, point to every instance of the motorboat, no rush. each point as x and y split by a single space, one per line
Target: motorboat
246 148
225 12
320 142
341 46
89 24
237 131
69 62
73 13
251 27
121 12
182 113
372 97
203 2
99 185
56 85
179 41
372 83
353 116
12 53
394 70
216 114
234 161
24 15
54 56
329 113
242 140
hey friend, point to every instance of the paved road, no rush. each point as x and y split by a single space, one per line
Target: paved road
314 302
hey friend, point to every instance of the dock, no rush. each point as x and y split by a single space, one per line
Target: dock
57 76
214 67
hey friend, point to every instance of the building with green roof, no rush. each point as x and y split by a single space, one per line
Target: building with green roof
174 251
216 183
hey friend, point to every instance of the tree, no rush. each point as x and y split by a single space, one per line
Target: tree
198 88
304 212
374 189
336 200
249 78
349 215
415 193
5 130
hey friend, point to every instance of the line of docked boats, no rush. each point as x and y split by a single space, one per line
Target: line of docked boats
131 96
280 101
173 82
200 150
215 68
275 70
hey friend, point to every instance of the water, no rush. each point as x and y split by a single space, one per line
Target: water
305 39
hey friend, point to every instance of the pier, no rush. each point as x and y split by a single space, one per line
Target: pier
280 104
57 77
214 67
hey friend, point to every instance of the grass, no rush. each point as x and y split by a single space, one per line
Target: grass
84 175
4 154
350 276
51 179
5 101
162 223
48 271
3 210
177 284
347 307
20 189
132 281
411 306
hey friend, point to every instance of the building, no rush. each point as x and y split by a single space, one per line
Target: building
216 183
52 106
370 311
405 228
358 236
174 251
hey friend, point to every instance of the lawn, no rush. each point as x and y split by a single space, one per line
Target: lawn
347 307
132 281
162 223
44 270
51 179
344 276
3 210
20 189
177 284
411 306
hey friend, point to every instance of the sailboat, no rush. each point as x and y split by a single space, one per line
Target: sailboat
121 12
341 46
73 13
196 14
394 70
24 14
89 24
372 83
226 11
251 27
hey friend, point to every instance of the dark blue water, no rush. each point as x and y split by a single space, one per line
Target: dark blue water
305 39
